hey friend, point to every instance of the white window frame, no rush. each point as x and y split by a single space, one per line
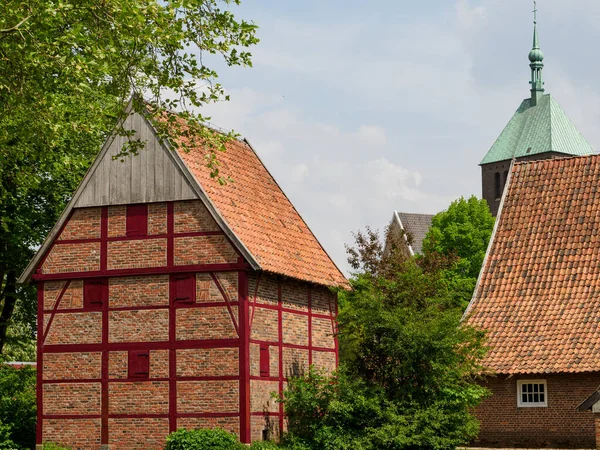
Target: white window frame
522 404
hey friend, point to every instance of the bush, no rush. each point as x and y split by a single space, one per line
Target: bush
53 446
265 445
6 443
18 405
215 439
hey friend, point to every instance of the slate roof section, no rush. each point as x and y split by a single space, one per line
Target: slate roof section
538 295
262 217
417 225
538 129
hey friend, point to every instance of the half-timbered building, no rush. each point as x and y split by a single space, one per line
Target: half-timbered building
168 301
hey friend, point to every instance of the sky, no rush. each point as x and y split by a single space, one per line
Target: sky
362 108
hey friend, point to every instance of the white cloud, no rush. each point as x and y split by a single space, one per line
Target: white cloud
356 118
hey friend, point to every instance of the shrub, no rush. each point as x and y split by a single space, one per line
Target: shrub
215 439
6 443
53 446
17 405
264 445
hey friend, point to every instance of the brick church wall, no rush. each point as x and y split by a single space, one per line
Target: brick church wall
488 174
558 425
196 351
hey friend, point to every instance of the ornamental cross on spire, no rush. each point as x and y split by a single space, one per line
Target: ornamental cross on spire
534 11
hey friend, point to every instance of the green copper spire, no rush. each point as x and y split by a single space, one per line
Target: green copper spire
536 56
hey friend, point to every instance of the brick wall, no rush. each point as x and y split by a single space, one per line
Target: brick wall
72 398
79 433
86 351
83 224
150 325
64 258
142 397
137 253
558 425
69 366
204 250
208 362
81 328
210 396
193 216
138 433
289 319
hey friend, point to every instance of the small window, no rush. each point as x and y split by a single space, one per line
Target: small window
138 364
95 293
532 393
497 187
137 220
183 289
265 369
505 179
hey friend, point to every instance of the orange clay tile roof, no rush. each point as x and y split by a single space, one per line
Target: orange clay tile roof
262 217
539 291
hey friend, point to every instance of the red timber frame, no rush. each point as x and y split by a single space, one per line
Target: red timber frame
243 324
280 345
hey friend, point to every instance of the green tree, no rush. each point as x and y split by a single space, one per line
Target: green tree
67 67
409 372
462 232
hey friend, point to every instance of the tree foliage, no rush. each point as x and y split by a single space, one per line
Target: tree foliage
67 67
409 372
462 232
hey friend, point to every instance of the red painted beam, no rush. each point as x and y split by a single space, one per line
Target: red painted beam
244 359
139 238
122 346
40 364
226 267
280 343
151 307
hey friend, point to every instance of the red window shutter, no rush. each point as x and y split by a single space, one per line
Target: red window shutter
183 289
139 364
95 293
265 367
137 220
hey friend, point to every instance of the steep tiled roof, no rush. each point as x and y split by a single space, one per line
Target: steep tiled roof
538 129
262 217
539 290
417 225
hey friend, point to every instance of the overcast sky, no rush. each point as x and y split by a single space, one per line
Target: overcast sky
362 108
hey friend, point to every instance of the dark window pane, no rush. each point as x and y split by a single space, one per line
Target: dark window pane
542 397
541 388
524 398
536 398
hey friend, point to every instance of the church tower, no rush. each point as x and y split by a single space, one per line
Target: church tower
539 129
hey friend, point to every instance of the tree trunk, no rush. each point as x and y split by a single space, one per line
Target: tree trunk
10 298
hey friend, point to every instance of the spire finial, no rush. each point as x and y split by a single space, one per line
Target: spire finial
536 56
